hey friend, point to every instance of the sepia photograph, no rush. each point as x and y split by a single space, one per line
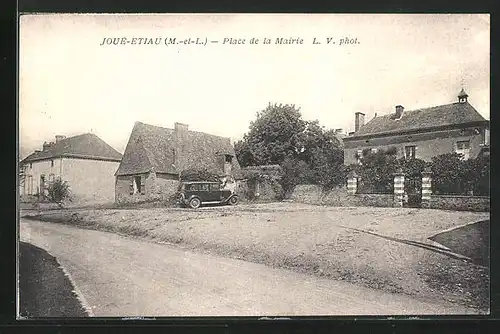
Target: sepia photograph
253 165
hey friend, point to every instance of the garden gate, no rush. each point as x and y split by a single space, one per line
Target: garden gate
413 191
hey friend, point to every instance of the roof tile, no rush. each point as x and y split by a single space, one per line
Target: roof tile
86 145
444 115
152 146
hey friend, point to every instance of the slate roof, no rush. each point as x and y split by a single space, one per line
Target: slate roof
426 118
86 145
152 146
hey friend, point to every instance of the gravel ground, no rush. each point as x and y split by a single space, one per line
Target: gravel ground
44 289
313 239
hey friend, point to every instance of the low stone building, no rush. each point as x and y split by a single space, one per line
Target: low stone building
261 182
85 161
155 157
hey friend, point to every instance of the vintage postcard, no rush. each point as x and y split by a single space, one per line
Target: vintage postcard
264 165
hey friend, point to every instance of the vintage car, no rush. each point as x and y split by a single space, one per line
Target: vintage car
197 193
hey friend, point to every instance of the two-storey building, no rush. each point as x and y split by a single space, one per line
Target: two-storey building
85 161
421 133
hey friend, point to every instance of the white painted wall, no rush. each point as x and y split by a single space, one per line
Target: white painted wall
89 180
37 168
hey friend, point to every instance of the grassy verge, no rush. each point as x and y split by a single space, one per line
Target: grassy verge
310 239
44 290
471 240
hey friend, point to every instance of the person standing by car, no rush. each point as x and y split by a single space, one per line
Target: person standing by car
228 183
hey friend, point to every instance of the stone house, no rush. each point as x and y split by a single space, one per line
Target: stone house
85 161
155 157
422 133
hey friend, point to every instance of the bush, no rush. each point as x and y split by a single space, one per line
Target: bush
58 191
198 175
455 176
327 169
376 173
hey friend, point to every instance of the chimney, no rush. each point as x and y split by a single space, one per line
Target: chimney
399 111
359 121
46 146
181 129
59 138
181 135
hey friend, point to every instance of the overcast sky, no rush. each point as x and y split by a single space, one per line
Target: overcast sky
69 84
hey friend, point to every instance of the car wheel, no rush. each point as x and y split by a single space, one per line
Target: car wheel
195 203
233 200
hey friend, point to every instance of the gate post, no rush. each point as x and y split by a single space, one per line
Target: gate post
399 187
352 183
426 187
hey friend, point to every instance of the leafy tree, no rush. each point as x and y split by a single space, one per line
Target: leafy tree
327 167
376 172
294 171
58 191
275 134
244 153
306 151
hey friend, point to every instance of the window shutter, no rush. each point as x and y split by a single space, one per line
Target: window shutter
131 186
142 185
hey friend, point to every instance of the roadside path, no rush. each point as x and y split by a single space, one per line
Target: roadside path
126 277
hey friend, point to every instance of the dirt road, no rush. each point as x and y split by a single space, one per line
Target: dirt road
125 277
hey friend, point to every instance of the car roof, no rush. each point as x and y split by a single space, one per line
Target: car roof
192 182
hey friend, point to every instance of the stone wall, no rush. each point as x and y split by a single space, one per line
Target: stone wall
458 203
158 187
268 190
312 194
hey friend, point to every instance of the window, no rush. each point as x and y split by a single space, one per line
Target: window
228 158
137 184
358 155
463 147
51 163
51 178
214 187
410 152
203 187
374 150
486 137
31 165
30 185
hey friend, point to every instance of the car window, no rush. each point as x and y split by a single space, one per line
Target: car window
203 187
191 187
214 187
